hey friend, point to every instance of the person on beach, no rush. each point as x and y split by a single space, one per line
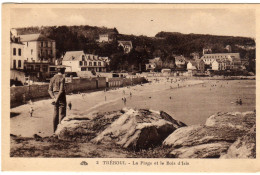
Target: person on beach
31 111
124 101
240 101
58 94
70 105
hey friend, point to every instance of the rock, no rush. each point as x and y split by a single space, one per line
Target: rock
202 141
210 150
139 129
197 135
244 147
245 120
83 127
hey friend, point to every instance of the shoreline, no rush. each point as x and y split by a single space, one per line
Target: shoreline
144 96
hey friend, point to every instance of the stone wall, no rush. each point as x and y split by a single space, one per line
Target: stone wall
17 75
20 94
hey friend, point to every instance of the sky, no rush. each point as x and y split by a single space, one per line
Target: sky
231 22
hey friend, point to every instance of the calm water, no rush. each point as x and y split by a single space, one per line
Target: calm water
193 105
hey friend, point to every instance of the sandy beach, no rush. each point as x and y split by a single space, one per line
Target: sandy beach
185 100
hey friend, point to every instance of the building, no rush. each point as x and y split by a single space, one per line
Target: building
218 65
228 48
234 58
17 55
37 53
109 36
153 64
180 62
77 61
206 51
196 66
126 45
195 55
106 38
191 67
39 48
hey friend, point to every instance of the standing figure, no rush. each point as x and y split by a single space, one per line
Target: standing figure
70 105
58 94
31 111
240 101
124 101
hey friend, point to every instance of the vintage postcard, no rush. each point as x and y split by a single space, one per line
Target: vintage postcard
130 87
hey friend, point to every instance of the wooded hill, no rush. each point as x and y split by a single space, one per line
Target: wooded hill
164 44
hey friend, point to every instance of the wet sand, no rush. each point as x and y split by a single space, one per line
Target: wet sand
192 102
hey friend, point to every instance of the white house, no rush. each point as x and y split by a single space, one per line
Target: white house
210 58
103 38
180 61
38 48
216 65
191 65
39 52
77 61
127 45
17 55
153 63
221 65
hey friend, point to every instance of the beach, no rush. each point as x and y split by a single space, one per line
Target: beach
190 101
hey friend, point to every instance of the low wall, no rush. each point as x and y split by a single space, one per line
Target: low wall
120 82
20 94
17 75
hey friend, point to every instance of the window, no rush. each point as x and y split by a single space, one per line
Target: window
14 51
83 57
45 68
37 67
41 44
19 52
19 63
51 52
90 63
14 64
95 63
83 69
80 63
99 63
27 44
31 51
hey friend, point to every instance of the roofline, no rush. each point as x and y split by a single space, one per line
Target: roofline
16 43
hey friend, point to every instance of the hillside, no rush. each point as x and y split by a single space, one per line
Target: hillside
163 45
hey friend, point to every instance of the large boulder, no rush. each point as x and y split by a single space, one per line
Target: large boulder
139 129
244 147
209 150
243 121
85 128
204 141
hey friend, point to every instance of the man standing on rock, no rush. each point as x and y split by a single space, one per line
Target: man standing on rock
58 94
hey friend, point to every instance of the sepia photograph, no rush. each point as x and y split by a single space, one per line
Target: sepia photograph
162 83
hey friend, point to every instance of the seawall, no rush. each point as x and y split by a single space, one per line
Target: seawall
21 94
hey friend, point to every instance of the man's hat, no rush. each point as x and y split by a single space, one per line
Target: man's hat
61 67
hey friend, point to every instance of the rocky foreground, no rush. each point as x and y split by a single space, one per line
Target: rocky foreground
144 133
